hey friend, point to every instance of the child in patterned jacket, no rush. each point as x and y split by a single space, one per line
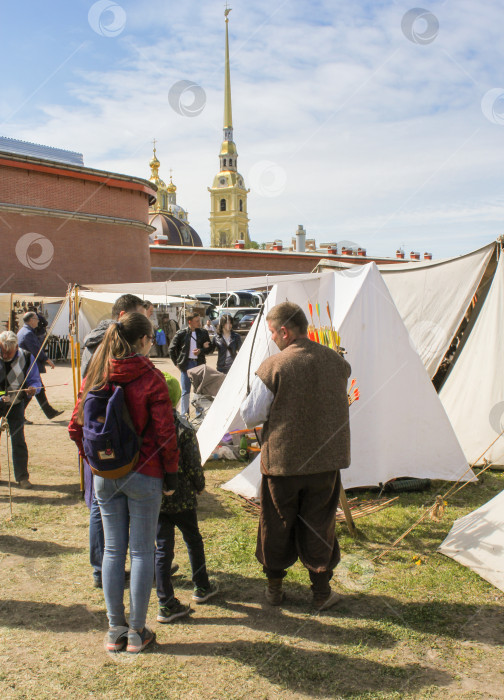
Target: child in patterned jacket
179 510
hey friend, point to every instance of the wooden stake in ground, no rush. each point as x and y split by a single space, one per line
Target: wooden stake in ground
346 510
4 428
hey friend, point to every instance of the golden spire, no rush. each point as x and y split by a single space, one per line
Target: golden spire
154 164
228 115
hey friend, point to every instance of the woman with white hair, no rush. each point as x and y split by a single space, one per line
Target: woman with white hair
19 375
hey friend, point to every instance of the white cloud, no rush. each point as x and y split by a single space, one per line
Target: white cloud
380 140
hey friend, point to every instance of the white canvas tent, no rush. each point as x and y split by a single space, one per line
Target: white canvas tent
432 298
473 394
477 541
399 427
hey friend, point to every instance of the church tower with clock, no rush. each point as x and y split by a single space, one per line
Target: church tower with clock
228 194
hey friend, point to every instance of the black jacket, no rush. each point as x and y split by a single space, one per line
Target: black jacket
179 347
222 348
190 475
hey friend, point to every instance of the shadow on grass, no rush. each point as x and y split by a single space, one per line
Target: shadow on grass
210 506
54 617
306 626
316 673
10 544
484 623
71 495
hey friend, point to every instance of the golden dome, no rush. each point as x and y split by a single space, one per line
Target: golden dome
171 187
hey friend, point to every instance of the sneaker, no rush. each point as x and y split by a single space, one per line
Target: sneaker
55 414
168 613
28 422
97 581
137 641
25 484
174 569
201 595
117 638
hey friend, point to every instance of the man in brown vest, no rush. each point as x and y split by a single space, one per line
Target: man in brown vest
301 396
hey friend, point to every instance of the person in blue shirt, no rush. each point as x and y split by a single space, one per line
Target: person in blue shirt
29 341
17 366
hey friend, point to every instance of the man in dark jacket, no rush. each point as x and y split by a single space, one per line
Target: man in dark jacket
41 329
187 350
300 394
29 341
17 368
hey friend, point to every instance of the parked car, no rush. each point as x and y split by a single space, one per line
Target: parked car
244 298
236 315
246 322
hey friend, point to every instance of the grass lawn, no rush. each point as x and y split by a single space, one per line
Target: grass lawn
416 625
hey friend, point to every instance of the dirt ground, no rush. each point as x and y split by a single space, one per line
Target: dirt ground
53 623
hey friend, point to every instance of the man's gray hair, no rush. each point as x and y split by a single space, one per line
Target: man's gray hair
28 315
8 339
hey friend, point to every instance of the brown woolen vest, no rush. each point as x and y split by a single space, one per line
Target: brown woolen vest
307 431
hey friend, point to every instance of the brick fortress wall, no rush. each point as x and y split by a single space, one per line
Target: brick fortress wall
63 224
179 263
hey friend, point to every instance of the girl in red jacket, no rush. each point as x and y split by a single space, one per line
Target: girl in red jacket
130 505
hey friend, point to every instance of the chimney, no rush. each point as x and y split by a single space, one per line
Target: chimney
414 256
300 239
239 245
361 252
278 245
427 256
346 251
332 249
399 254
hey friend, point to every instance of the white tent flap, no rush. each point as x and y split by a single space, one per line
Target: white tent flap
432 298
477 541
473 394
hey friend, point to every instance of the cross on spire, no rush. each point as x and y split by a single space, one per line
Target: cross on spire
227 11
154 144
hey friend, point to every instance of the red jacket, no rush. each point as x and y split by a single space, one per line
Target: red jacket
149 405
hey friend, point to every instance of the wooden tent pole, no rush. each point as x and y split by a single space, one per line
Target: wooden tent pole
346 510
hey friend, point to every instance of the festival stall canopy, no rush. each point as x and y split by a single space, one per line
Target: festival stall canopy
399 427
473 394
477 541
96 306
183 287
7 301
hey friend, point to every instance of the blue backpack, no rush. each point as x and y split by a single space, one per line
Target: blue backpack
111 445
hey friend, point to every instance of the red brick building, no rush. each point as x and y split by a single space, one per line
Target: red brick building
61 222
182 263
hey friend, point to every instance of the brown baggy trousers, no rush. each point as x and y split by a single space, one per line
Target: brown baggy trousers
298 517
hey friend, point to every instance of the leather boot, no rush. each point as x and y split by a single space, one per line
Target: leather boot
323 596
274 593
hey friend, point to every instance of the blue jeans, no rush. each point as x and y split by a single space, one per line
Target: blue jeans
96 539
186 387
187 523
129 503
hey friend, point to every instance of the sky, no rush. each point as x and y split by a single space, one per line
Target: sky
380 123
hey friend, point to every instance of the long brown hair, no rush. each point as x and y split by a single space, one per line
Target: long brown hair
222 322
119 342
